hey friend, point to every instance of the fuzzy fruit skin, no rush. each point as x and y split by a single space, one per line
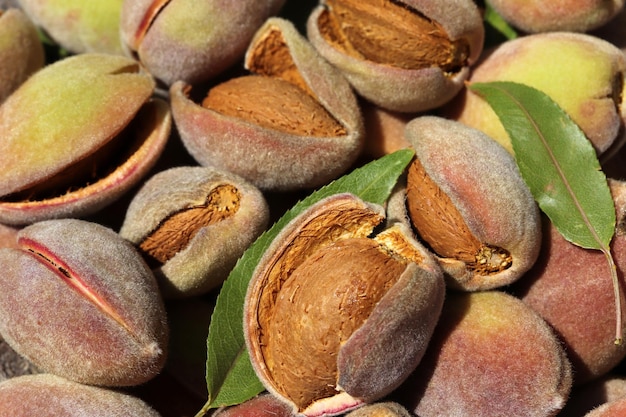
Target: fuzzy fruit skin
584 398
79 26
74 108
554 63
263 405
8 236
102 96
50 395
614 31
205 262
21 52
535 16
465 373
566 272
615 408
404 90
384 130
99 320
382 409
208 36
484 184
273 160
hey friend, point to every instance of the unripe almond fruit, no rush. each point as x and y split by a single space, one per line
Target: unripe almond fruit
21 51
535 16
565 272
264 404
490 355
382 409
50 395
77 135
78 301
79 26
189 40
583 74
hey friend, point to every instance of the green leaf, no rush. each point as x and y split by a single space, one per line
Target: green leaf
557 161
561 168
497 22
230 377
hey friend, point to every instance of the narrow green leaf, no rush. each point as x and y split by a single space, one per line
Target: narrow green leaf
557 161
561 168
230 377
496 21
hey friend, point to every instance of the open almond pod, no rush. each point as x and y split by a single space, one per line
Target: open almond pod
407 55
337 314
293 123
192 224
467 201
76 136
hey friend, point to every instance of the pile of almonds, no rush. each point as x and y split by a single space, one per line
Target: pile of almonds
145 145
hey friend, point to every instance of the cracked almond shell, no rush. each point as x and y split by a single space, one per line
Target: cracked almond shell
78 134
396 66
193 223
78 301
265 143
334 317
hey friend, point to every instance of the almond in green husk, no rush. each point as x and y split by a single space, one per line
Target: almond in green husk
78 134
293 122
336 316
468 202
408 56
192 224
78 301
